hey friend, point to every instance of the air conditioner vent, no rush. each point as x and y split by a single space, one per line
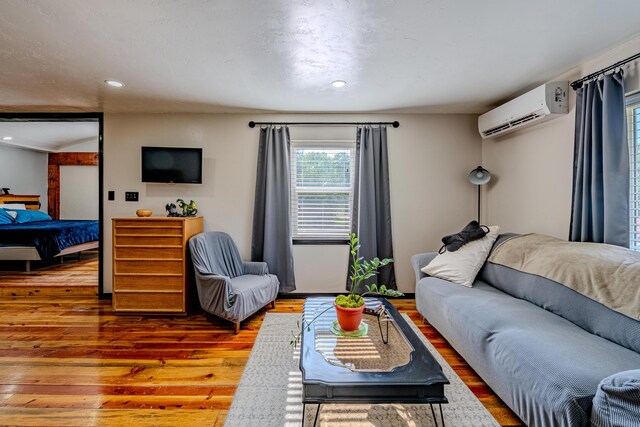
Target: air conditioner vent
511 124
493 131
536 106
526 118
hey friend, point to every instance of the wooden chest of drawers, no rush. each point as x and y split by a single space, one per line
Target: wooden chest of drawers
151 266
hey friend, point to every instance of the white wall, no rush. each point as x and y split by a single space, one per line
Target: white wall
24 172
430 157
79 185
532 168
90 146
79 192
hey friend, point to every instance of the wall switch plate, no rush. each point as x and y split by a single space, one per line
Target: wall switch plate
111 195
131 196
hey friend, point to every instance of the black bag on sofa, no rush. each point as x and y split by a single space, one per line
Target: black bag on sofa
472 231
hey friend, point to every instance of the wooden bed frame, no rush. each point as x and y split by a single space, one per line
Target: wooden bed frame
30 201
29 253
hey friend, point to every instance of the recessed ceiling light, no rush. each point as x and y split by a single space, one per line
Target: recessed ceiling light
7 138
338 83
114 83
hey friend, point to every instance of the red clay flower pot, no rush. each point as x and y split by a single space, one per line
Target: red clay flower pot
349 318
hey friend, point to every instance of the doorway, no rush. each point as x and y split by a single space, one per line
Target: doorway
71 185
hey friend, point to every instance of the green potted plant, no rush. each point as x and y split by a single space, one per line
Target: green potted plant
349 307
353 302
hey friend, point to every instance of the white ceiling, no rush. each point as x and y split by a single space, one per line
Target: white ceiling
281 55
51 136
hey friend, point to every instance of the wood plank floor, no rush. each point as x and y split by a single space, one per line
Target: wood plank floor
76 276
69 361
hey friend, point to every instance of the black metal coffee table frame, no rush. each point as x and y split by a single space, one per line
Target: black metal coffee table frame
419 381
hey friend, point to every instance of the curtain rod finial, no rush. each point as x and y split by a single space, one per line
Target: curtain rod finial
396 124
252 124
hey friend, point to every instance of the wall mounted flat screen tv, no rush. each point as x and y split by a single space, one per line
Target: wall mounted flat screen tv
172 165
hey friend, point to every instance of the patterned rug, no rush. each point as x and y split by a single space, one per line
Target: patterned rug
270 391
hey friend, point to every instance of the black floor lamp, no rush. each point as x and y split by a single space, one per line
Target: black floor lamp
479 176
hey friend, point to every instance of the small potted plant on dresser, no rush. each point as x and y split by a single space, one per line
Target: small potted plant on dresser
349 308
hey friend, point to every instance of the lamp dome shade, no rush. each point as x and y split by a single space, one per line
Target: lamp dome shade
479 176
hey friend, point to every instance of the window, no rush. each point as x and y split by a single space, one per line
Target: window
322 177
633 126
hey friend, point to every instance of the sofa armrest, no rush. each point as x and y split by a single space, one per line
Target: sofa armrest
255 267
617 401
420 260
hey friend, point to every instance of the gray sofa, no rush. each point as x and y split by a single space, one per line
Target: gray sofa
542 347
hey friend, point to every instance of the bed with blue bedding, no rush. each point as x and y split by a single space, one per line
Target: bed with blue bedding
49 237
34 236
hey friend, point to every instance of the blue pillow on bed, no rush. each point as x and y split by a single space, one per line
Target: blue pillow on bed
28 215
5 218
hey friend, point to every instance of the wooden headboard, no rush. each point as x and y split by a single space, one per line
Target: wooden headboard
30 201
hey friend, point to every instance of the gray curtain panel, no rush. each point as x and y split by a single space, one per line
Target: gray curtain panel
271 241
371 215
600 208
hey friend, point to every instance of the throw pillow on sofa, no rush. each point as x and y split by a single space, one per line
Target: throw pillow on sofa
463 265
617 401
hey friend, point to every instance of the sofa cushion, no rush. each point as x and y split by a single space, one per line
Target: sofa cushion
563 301
544 367
250 293
617 401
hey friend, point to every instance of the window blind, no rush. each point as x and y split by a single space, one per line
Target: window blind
322 177
633 128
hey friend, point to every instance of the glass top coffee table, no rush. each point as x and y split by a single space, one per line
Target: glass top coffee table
387 365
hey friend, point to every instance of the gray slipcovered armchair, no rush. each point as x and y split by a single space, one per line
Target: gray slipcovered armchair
228 287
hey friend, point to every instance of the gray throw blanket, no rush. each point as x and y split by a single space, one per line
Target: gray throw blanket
227 286
215 253
605 273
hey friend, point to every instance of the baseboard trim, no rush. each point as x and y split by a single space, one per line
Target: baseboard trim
289 295
303 295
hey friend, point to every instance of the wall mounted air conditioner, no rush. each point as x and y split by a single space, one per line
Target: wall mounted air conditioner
536 106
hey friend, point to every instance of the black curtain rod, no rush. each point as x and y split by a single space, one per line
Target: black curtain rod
253 124
578 83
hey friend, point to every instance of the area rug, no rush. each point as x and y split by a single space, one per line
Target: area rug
270 391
